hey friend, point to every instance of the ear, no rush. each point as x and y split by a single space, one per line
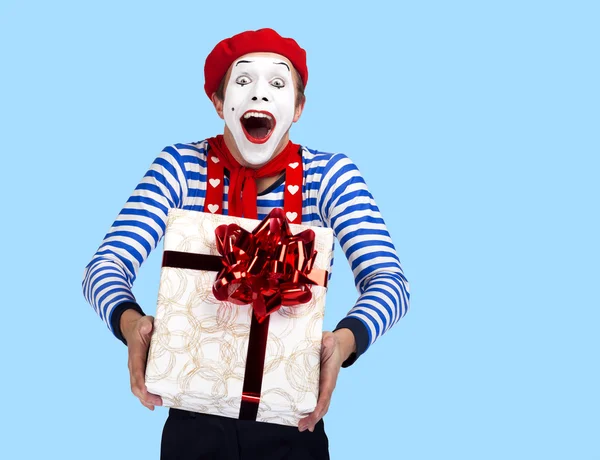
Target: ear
218 103
298 110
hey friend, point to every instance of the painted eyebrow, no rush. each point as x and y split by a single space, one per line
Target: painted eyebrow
283 63
243 62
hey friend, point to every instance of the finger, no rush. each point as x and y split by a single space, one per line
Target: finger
309 423
144 395
137 375
140 390
138 371
313 418
137 366
156 398
317 415
145 404
327 386
325 393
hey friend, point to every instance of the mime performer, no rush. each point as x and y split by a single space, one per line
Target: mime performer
256 81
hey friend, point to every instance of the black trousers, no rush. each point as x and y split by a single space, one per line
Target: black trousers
192 436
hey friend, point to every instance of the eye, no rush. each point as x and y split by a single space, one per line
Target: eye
278 82
243 80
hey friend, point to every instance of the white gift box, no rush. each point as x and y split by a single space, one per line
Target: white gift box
198 350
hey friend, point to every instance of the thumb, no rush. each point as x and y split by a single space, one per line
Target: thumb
329 342
146 326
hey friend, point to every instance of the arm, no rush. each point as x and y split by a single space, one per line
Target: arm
108 278
347 206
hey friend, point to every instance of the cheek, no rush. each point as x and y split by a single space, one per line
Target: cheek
233 98
284 99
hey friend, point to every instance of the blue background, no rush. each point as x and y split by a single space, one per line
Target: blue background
475 125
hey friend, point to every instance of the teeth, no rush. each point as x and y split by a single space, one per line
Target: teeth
257 115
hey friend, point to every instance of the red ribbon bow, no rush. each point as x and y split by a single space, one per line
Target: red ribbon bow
269 267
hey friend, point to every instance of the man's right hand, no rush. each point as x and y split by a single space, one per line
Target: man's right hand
137 330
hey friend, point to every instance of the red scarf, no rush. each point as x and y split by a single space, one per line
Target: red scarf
242 180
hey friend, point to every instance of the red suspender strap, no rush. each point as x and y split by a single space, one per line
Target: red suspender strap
213 201
292 198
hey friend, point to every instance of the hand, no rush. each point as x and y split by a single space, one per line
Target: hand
137 331
336 348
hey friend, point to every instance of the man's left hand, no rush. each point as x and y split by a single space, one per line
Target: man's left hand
336 348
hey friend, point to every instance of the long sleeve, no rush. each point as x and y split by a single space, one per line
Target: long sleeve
346 205
108 278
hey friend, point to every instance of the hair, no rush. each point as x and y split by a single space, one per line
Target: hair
299 88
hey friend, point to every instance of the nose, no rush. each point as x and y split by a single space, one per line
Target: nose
263 98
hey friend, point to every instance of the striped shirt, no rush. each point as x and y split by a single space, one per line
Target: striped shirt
334 195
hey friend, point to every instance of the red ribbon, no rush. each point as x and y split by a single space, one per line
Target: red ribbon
268 267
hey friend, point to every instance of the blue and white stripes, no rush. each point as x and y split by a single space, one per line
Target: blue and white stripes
334 195
347 206
137 230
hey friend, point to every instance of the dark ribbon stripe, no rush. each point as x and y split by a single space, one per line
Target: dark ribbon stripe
269 268
255 365
178 259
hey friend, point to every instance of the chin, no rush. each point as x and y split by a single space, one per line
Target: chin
256 159
258 154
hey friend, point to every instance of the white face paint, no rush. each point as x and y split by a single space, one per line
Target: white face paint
259 105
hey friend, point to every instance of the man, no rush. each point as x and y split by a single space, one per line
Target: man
256 83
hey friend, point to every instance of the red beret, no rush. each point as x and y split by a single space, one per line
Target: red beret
253 41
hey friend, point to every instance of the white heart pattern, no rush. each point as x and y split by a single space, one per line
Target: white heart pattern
214 159
293 189
214 182
213 208
291 216
294 165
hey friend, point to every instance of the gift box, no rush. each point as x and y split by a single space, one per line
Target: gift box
238 323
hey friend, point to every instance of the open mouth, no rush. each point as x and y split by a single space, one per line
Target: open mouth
258 125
